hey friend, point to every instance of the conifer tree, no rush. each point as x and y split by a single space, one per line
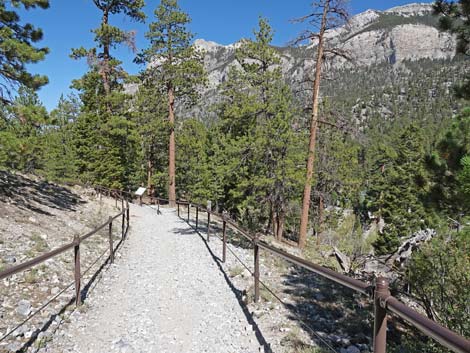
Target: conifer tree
399 184
59 156
17 48
454 18
257 118
21 138
105 134
327 15
175 67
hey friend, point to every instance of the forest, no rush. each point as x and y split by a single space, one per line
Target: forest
390 156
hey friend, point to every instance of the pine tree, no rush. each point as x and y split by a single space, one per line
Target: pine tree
17 48
327 14
175 67
105 134
257 118
398 185
451 14
21 137
59 156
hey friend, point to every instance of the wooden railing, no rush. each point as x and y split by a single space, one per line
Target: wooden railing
75 245
378 292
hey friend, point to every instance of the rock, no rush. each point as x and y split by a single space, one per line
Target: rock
352 349
32 220
13 347
246 274
9 259
23 308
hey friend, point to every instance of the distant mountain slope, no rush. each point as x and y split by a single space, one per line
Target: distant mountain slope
389 39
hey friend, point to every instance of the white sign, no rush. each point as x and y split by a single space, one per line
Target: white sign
140 191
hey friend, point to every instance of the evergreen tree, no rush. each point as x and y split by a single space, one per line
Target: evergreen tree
17 48
446 166
454 19
327 15
21 135
398 185
105 134
59 156
257 118
175 67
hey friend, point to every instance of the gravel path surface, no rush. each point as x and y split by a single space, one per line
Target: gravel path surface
165 293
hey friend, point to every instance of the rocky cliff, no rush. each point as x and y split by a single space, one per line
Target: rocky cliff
373 37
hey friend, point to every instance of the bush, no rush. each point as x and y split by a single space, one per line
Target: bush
439 274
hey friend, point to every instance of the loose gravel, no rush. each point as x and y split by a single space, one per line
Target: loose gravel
165 293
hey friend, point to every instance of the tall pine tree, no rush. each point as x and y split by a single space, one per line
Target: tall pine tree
17 48
174 66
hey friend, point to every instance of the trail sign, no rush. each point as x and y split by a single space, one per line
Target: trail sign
140 191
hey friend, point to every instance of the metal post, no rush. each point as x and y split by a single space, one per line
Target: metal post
208 225
380 314
224 239
140 200
111 247
178 205
256 273
78 298
127 214
122 204
123 223
189 206
158 205
197 216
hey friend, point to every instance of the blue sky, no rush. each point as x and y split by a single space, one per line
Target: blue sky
67 23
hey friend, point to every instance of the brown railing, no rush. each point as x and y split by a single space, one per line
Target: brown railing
75 245
379 292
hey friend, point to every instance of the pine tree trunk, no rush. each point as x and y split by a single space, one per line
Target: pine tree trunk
149 173
104 72
313 133
320 218
280 225
171 149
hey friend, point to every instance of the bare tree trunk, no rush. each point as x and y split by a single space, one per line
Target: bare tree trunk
320 218
171 148
149 174
313 132
281 217
104 71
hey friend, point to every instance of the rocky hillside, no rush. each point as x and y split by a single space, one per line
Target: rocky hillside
37 217
387 39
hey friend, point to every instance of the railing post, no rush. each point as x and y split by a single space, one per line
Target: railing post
111 247
224 240
208 225
189 206
380 315
123 223
197 216
122 204
178 206
127 214
78 297
256 272
158 205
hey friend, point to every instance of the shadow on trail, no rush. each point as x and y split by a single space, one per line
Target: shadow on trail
95 278
238 293
30 195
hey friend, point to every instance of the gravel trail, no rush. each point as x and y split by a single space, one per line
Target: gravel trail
165 293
